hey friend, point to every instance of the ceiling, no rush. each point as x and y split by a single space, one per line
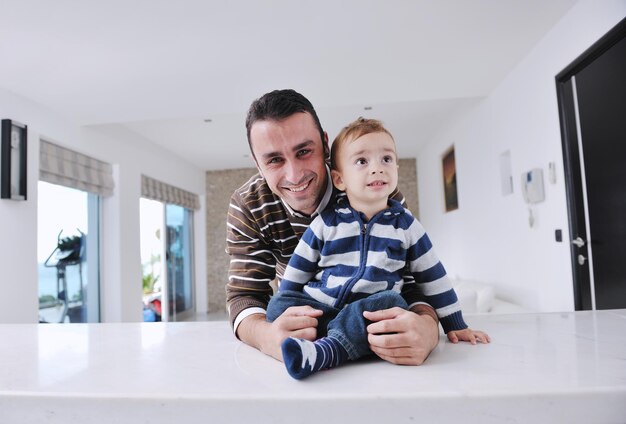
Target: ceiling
182 74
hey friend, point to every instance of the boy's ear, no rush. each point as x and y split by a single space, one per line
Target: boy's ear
337 180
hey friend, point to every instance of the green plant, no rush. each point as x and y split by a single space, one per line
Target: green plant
47 299
149 279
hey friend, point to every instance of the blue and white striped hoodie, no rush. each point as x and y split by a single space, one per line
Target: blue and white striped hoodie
340 259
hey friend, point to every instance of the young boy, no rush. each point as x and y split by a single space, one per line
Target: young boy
355 255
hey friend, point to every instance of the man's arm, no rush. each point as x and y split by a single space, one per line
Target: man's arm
403 337
252 267
300 322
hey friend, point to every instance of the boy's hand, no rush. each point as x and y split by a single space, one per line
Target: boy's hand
469 335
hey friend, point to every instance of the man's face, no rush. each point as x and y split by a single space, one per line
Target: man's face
290 156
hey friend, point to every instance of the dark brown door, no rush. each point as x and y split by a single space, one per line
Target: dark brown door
592 102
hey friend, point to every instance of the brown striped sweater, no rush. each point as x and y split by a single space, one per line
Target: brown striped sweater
262 233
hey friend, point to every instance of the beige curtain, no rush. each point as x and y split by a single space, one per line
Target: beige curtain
157 190
59 165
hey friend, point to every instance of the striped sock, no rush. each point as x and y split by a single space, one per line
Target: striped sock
303 358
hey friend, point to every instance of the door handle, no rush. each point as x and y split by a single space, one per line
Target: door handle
581 260
578 242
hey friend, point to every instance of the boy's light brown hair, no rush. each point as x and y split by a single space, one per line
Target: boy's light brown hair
352 131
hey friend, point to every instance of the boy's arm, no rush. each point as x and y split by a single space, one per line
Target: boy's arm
418 303
431 278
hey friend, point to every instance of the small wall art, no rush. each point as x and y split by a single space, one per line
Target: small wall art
449 180
13 160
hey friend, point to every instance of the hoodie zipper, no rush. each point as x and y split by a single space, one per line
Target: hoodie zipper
364 242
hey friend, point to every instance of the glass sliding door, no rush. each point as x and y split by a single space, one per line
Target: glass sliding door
166 232
68 254
152 224
178 247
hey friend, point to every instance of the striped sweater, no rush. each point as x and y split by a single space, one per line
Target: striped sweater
262 233
341 259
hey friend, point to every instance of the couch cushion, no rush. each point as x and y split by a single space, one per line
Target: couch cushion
474 297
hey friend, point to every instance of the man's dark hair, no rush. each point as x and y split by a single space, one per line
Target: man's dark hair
278 105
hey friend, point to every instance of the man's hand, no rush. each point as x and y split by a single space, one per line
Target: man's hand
402 337
297 321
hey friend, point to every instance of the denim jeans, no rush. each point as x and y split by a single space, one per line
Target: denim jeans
347 325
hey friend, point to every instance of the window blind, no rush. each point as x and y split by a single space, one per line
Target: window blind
162 192
59 165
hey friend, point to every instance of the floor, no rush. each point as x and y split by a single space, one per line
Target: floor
209 316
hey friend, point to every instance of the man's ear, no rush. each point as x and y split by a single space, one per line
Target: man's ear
326 147
337 180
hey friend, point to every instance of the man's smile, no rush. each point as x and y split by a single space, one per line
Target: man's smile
299 188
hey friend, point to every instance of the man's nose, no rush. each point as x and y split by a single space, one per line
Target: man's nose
293 172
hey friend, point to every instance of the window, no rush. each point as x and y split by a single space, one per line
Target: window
68 254
166 232
70 188
179 250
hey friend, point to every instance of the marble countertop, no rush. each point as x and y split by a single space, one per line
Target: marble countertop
551 367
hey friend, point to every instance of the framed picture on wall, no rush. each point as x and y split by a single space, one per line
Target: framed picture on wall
13 160
449 180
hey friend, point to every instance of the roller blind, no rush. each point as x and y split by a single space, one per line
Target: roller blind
62 166
157 190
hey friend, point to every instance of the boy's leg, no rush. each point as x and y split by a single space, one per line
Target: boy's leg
303 357
283 300
349 327
347 338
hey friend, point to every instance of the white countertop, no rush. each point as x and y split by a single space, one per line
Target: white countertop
557 367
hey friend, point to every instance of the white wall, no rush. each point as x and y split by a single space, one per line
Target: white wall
121 262
488 238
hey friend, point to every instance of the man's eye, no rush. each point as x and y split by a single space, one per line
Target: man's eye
274 161
303 152
361 161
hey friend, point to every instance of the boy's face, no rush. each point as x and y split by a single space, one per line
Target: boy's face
290 155
367 171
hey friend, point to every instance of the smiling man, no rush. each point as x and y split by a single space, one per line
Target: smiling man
268 215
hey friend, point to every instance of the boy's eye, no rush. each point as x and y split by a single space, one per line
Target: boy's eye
360 161
388 159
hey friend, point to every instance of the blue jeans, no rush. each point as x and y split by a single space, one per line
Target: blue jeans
347 325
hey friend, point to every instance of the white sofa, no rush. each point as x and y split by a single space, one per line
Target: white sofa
478 298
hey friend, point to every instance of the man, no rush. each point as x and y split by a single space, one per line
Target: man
267 217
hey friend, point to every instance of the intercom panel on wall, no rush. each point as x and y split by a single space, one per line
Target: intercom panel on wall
532 186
